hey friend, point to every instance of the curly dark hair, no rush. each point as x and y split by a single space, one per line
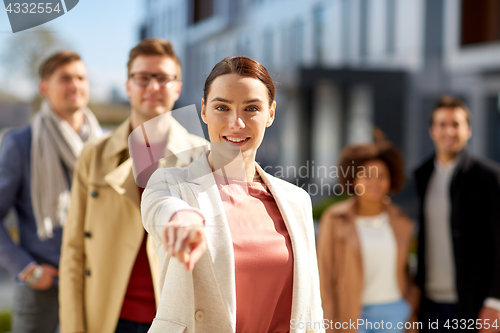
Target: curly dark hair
355 156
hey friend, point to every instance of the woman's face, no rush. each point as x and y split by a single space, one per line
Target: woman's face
373 181
237 112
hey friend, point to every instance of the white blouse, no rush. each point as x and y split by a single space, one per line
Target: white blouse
379 255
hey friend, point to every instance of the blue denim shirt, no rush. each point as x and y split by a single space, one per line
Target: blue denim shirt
15 191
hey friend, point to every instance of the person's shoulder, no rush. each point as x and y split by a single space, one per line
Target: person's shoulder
18 139
337 215
340 209
428 163
19 135
399 213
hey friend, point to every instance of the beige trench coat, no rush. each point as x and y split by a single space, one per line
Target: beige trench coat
104 232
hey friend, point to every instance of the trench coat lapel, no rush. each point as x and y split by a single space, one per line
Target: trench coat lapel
121 178
349 233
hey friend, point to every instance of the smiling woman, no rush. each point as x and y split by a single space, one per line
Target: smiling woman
244 240
238 104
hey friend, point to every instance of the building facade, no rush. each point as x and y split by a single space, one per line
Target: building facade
344 67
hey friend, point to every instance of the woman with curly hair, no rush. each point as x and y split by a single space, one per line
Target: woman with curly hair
363 246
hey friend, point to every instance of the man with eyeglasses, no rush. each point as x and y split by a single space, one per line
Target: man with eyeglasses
109 270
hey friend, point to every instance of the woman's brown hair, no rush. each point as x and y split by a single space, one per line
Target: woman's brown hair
354 158
154 47
242 66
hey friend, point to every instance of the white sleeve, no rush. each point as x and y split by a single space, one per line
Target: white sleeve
161 199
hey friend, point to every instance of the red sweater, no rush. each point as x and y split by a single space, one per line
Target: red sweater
139 304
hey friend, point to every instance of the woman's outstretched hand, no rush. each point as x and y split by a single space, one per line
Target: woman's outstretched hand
184 238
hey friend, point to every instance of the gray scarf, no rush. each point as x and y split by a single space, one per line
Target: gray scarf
53 143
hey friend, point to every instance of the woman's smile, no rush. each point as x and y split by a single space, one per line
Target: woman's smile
236 140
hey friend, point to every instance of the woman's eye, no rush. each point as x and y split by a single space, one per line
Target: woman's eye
252 108
221 108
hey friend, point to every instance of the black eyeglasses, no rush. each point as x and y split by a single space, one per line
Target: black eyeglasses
142 79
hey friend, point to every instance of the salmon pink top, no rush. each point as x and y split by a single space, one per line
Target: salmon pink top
263 257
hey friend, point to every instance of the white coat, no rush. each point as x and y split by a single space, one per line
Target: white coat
204 300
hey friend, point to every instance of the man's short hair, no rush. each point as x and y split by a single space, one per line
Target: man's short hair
452 102
154 47
51 64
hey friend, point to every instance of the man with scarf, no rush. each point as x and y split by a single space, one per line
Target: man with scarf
36 169
109 269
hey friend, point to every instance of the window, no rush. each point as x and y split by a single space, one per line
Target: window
243 47
170 21
346 30
297 45
202 9
175 22
166 19
480 21
160 23
284 42
319 22
391 27
143 32
363 31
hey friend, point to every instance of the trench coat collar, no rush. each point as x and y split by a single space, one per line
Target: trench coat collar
175 143
118 140
121 178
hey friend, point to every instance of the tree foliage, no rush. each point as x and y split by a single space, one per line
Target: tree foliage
26 50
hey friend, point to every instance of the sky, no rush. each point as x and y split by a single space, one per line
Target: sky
101 31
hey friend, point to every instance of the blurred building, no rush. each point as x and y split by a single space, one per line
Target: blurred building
13 114
345 66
